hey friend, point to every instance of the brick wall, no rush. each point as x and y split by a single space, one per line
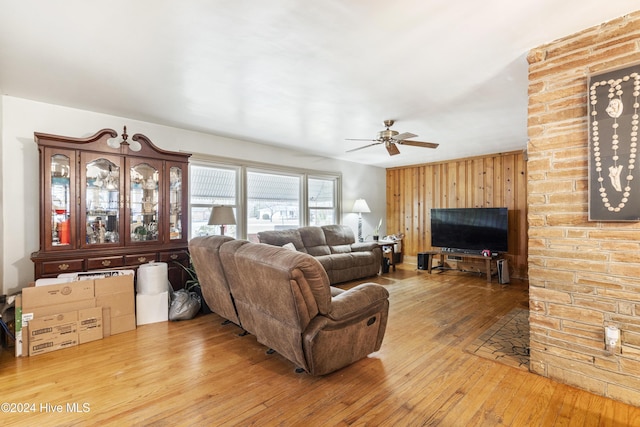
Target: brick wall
583 274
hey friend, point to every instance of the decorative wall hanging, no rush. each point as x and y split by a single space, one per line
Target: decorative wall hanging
614 183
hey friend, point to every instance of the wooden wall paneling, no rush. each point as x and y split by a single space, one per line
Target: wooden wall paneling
451 190
498 195
410 201
400 202
426 206
479 175
488 190
389 201
506 195
443 201
402 197
490 181
393 209
509 177
486 182
417 209
472 183
463 183
423 206
398 199
439 177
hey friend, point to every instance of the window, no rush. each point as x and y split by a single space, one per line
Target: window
212 186
273 202
263 198
322 201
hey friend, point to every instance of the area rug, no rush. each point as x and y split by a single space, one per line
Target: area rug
506 341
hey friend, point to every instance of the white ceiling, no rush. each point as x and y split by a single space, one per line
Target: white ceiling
297 74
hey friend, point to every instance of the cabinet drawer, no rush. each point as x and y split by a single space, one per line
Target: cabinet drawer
178 256
64 266
138 259
105 262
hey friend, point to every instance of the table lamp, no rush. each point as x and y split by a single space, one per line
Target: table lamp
222 215
360 207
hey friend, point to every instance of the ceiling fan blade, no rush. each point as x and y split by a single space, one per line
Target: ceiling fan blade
392 149
358 139
419 144
364 146
405 135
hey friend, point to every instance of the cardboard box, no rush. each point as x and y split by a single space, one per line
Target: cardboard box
53 344
117 295
89 325
120 303
38 296
103 307
113 285
45 327
152 308
122 324
106 323
50 333
48 310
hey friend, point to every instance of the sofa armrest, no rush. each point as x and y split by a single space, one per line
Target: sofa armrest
363 246
356 300
335 291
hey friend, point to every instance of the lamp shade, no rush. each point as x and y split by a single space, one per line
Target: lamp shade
360 206
222 215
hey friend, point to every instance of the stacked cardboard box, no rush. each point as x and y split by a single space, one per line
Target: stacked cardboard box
49 333
62 315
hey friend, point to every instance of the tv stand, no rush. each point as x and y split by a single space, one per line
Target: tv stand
453 251
461 254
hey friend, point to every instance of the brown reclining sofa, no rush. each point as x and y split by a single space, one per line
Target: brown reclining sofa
285 300
334 246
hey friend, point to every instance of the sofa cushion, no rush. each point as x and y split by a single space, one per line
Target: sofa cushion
282 237
290 246
314 241
338 234
340 249
339 238
351 260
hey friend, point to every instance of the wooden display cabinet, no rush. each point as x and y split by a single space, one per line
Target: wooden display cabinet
111 204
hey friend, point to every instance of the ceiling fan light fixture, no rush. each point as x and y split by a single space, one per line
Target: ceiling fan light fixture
390 137
387 134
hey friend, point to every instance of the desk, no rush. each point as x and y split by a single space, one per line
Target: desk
390 244
425 259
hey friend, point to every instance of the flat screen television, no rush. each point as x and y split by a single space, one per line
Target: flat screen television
470 230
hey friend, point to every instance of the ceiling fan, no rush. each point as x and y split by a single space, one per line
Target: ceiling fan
390 138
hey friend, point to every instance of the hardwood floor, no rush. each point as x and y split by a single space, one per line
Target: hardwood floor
199 372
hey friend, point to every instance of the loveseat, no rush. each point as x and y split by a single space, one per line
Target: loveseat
284 299
334 246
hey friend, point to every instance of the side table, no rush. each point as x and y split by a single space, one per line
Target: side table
389 244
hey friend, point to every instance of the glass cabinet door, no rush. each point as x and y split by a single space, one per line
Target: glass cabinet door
144 201
175 203
59 200
102 200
